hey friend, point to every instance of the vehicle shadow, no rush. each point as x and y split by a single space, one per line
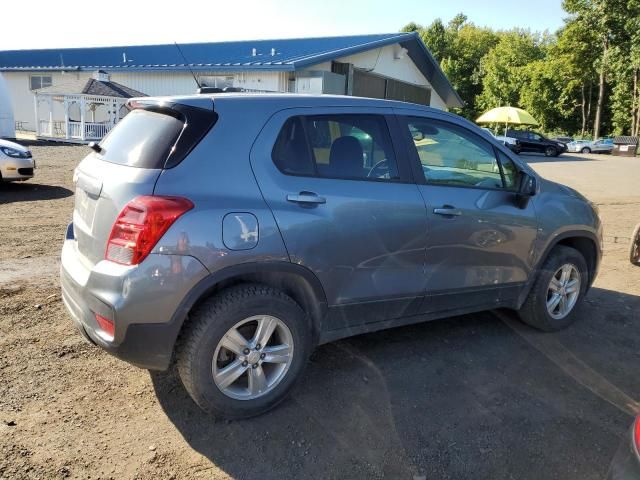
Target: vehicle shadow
478 396
565 157
28 191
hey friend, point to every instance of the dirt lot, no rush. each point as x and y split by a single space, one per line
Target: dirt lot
479 396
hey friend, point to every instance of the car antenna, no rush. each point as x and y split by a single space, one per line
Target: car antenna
195 79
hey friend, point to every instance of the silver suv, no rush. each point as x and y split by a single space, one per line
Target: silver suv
233 233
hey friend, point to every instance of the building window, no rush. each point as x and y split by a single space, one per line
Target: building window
217 81
39 81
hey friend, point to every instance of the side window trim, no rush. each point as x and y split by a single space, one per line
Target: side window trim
499 161
412 154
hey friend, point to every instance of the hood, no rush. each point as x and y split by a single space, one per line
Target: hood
14 145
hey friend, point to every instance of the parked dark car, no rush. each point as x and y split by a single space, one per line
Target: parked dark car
531 141
626 463
234 233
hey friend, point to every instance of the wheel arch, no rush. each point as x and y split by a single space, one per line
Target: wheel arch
583 241
300 283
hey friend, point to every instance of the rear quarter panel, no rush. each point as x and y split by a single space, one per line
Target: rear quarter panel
217 177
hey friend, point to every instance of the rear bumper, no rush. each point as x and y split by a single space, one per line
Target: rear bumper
140 300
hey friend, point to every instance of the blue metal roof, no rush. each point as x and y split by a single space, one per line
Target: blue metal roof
278 55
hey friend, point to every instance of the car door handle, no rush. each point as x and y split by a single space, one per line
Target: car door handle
306 197
447 211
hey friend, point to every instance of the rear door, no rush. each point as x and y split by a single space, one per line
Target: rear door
347 208
481 245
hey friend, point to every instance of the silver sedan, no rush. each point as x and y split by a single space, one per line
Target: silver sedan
16 162
604 145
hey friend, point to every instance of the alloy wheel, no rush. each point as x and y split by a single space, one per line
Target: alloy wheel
563 291
252 357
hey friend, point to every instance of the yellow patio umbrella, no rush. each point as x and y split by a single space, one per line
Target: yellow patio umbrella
507 115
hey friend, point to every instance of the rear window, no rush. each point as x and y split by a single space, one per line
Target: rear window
142 139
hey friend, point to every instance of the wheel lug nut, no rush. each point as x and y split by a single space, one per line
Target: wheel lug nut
245 363
246 351
262 355
258 347
255 365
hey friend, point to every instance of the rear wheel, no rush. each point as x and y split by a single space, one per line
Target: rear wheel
586 150
560 286
551 152
243 351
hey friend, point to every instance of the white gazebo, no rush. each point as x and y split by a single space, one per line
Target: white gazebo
81 111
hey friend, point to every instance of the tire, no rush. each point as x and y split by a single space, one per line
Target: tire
634 248
534 311
550 152
585 150
221 314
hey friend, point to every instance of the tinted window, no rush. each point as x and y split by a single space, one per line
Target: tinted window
336 146
535 136
141 139
453 156
291 152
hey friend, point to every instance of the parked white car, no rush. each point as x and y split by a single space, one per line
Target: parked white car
16 162
604 145
511 143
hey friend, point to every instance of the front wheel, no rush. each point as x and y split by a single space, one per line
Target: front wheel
586 150
550 152
243 350
634 249
561 284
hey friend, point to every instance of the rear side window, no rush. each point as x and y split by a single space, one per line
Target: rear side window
142 139
354 147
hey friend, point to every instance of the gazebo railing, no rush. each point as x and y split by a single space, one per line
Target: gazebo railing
57 129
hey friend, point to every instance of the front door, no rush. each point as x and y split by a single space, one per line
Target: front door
347 209
480 245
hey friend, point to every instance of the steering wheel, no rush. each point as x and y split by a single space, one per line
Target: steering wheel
383 166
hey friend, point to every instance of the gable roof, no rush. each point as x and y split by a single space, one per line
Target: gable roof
275 55
92 87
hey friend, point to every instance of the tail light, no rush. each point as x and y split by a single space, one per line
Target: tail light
636 434
141 224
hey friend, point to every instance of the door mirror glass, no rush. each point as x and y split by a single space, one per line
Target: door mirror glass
528 185
526 189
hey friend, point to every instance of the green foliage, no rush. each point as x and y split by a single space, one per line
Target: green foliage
556 77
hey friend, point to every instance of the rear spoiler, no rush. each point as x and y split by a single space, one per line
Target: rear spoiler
196 113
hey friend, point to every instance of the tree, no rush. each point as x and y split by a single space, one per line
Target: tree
577 47
503 68
606 19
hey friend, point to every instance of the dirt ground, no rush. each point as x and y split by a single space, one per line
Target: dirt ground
479 396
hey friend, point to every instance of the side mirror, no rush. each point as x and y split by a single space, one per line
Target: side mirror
527 187
417 136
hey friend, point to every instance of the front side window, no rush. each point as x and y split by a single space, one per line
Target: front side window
450 155
336 146
39 81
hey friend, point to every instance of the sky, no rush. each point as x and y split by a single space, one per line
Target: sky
71 23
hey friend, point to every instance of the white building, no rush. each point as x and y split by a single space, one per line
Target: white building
396 66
